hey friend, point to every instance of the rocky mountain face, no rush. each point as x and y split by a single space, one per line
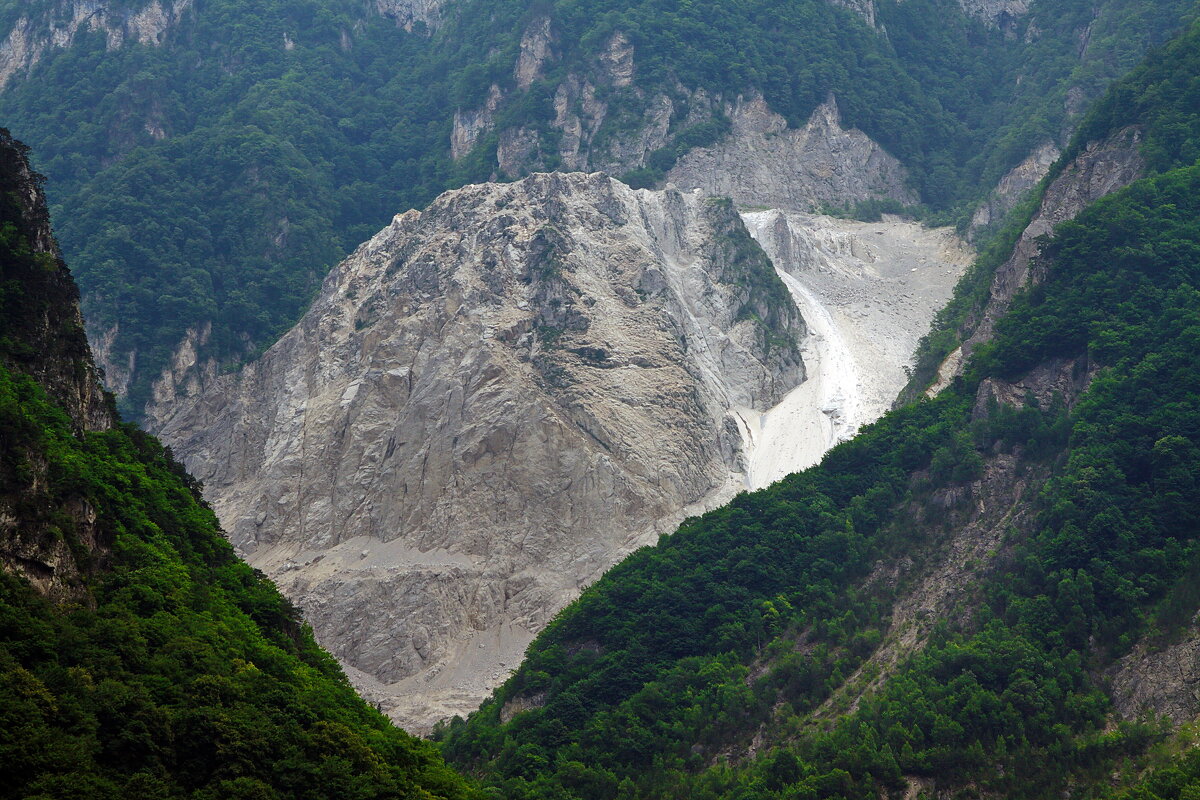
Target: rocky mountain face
1102 168
495 399
490 402
1014 187
763 162
760 160
56 25
41 335
409 13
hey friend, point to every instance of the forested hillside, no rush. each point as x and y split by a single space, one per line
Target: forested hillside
954 602
139 657
210 173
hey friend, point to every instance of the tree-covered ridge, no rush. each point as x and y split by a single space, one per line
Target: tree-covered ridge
716 664
181 672
139 657
1160 98
215 177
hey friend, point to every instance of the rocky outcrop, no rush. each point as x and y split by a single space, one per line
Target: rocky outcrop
864 8
997 13
535 52
1102 168
763 162
41 335
469 126
58 25
188 372
41 327
617 61
408 13
1014 186
1159 680
490 403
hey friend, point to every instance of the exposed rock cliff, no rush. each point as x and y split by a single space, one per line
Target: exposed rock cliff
998 13
1158 679
41 328
1015 185
762 162
409 12
864 8
490 403
57 26
1102 168
41 335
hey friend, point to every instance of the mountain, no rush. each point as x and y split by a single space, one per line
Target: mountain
495 399
210 161
138 656
989 592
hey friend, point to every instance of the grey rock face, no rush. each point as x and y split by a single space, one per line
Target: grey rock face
864 8
997 13
32 34
490 403
760 162
764 163
1100 170
1015 185
408 12
1159 681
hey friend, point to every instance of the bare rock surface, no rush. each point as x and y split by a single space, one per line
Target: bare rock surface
490 403
1101 169
408 13
1157 680
997 13
868 292
32 34
1015 185
864 8
494 400
762 162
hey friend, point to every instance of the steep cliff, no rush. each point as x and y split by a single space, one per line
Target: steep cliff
41 335
489 403
763 162
46 26
136 651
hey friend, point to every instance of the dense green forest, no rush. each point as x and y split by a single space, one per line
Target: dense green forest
217 176
722 663
163 666
1162 98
